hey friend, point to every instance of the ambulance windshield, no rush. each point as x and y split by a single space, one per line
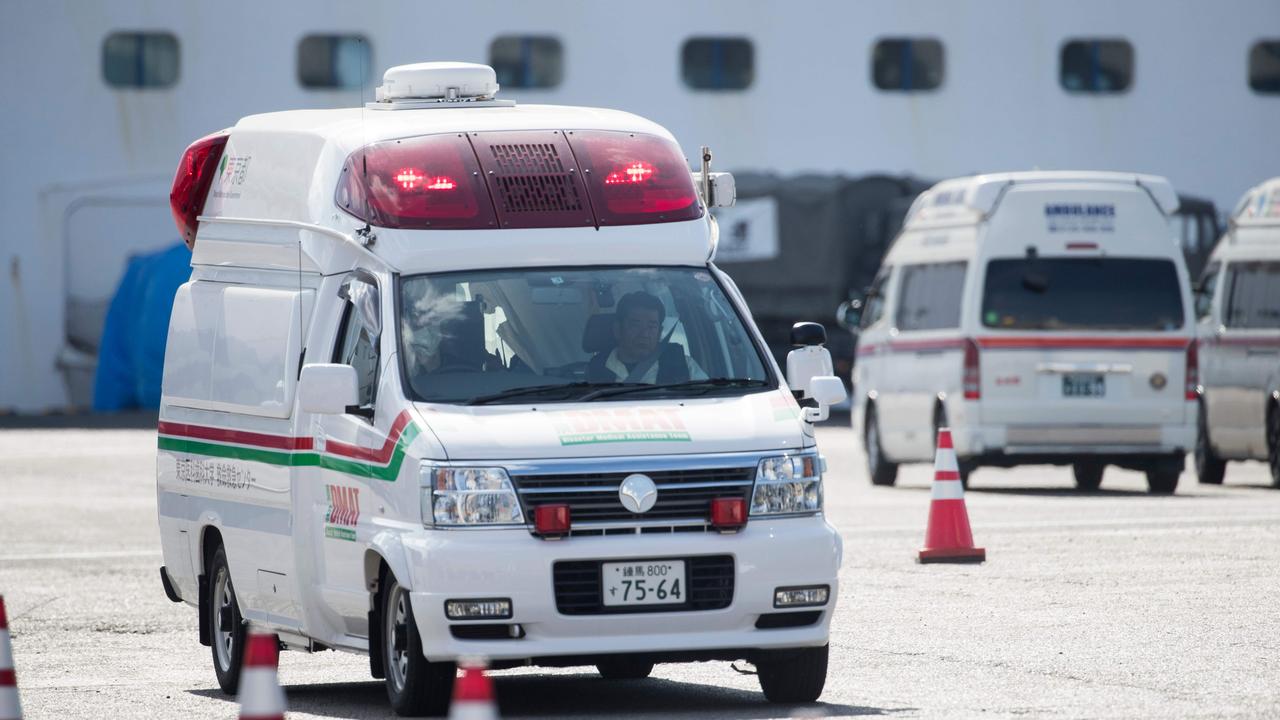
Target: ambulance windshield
574 335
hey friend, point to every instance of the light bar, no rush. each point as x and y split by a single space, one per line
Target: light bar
790 597
487 609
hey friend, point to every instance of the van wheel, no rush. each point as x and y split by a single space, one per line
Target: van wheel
228 628
882 471
1273 444
939 422
1162 482
1088 475
624 668
415 687
791 676
1210 468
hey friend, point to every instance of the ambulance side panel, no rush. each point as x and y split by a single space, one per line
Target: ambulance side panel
226 439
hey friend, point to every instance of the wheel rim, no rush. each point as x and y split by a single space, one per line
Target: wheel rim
224 605
396 636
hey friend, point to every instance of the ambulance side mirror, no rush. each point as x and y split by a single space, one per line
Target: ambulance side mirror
810 374
327 388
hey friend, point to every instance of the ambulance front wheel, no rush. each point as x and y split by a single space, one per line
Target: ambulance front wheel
882 472
227 624
415 687
793 676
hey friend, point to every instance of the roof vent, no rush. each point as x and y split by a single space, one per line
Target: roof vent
437 84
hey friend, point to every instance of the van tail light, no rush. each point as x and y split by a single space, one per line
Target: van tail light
191 183
635 179
1193 371
428 182
972 371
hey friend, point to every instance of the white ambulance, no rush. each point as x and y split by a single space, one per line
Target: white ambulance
1238 306
1044 316
454 377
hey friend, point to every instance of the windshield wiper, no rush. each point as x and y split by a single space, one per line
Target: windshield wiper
705 386
549 388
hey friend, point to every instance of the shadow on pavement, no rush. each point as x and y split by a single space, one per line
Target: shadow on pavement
1060 492
581 696
127 420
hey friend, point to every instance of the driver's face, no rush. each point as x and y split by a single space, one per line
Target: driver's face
637 335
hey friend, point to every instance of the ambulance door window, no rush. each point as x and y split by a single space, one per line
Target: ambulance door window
874 309
357 344
931 296
1204 291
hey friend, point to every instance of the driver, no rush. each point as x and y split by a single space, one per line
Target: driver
639 355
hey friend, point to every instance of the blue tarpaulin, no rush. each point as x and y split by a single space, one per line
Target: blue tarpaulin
131 355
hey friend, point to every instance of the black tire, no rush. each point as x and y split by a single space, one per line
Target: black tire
226 626
1273 444
939 422
881 471
1210 469
793 676
1162 481
1088 475
624 668
415 687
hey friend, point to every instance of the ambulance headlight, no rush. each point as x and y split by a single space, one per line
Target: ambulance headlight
467 496
788 484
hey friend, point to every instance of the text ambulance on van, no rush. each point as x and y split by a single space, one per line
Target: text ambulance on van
1044 316
458 378
1238 306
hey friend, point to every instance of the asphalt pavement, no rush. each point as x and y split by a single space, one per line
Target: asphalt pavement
1098 605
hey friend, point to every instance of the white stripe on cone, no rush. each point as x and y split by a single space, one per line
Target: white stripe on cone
466 710
948 490
260 693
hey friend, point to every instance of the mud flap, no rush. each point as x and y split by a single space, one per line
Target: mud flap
376 668
206 624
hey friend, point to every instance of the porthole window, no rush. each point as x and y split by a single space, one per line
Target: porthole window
1096 66
334 62
907 64
527 61
140 59
1264 66
718 63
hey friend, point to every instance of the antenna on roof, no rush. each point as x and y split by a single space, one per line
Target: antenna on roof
365 234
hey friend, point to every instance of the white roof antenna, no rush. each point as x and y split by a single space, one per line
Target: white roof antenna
437 84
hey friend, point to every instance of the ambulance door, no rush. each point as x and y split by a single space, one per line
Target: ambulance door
927 354
1249 345
349 450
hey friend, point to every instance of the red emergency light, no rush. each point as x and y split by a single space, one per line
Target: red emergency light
728 513
551 520
428 182
191 183
518 179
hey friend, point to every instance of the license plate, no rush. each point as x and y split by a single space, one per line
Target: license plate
644 582
1084 385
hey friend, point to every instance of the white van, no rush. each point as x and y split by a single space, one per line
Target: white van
458 378
1238 305
1044 316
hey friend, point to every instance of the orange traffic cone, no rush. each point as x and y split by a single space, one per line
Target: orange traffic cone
473 694
260 695
10 708
948 538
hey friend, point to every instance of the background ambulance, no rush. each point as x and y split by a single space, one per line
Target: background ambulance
1238 306
1044 316
454 377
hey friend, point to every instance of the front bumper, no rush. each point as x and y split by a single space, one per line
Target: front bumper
768 554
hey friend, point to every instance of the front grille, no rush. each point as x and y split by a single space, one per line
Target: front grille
578 587
683 495
533 178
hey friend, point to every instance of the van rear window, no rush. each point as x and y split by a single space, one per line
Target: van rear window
1082 294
